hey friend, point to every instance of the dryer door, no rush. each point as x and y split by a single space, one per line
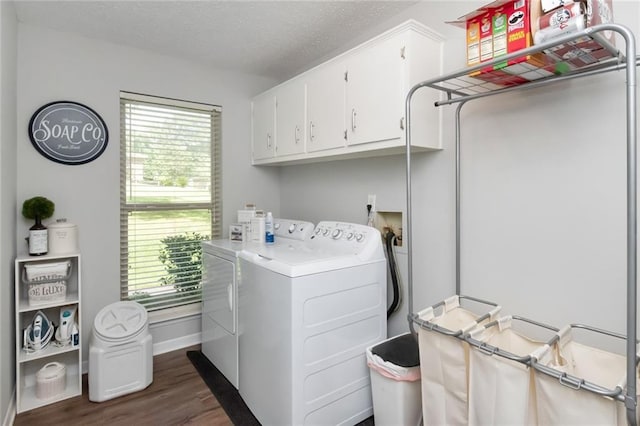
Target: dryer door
218 291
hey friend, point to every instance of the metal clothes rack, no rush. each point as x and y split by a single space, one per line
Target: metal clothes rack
460 89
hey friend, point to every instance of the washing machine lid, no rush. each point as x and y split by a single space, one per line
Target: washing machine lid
120 321
295 260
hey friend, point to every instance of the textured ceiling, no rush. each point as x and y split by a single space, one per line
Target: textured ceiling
270 38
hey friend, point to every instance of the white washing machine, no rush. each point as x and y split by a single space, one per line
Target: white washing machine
307 314
220 284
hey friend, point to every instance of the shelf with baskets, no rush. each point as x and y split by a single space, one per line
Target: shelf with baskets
48 347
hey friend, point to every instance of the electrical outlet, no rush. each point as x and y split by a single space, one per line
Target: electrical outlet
371 200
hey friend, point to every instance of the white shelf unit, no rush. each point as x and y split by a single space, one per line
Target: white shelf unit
28 363
461 88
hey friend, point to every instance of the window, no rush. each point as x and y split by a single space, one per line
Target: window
170 184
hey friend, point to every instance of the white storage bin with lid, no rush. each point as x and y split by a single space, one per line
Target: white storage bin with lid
120 351
51 380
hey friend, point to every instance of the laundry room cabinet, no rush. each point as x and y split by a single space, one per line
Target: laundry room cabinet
263 126
354 103
290 118
326 107
45 294
375 92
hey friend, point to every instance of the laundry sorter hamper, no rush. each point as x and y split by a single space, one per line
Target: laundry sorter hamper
444 357
501 385
579 384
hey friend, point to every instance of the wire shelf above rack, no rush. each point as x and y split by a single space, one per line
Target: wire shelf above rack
577 54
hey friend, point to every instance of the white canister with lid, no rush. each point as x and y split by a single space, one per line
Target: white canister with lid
51 380
63 237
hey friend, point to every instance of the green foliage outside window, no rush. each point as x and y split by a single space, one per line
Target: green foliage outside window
181 256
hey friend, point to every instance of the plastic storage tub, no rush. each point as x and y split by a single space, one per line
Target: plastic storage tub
395 381
51 380
120 352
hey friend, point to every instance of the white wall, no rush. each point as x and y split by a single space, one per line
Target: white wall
59 66
543 193
8 76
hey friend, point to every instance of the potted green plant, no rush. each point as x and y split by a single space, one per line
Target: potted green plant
38 208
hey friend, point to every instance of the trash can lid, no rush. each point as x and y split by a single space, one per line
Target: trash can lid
401 350
120 320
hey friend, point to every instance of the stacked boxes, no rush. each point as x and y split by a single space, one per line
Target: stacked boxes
551 19
506 26
503 27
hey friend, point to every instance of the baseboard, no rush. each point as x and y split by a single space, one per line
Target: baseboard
177 343
10 415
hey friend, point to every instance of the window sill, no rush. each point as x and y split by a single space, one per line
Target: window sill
170 314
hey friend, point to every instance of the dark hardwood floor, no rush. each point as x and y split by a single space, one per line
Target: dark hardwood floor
177 396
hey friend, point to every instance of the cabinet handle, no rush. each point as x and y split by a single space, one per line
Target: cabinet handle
268 140
311 126
402 123
353 120
230 296
297 134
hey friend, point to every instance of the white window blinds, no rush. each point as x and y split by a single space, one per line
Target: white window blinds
170 199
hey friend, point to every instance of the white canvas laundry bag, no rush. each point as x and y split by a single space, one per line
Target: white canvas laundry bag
501 390
444 362
560 404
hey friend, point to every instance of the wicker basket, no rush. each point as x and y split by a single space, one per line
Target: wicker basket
46 282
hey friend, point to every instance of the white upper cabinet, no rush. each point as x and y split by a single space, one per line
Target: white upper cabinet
326 107
353 105
290 118
374 92
263 126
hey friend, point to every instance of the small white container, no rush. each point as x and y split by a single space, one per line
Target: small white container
63 237
51 380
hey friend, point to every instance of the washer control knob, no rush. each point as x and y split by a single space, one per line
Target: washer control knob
336 234
292 228
276 226
359 238
317 231
350 236
325 231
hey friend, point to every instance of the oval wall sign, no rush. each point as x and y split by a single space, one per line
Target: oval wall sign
68 132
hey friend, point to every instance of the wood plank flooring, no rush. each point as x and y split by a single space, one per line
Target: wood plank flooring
177 396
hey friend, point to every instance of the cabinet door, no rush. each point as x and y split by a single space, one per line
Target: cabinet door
374 93
290 118
325 107
263 126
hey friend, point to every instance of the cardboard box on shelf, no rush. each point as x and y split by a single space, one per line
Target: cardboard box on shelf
509 23
473 41
513 25
582 51
486 37
549 5
571 16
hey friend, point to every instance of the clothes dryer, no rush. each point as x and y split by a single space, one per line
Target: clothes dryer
307 314
220 288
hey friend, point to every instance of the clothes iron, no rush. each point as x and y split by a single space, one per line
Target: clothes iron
38 334
67 321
